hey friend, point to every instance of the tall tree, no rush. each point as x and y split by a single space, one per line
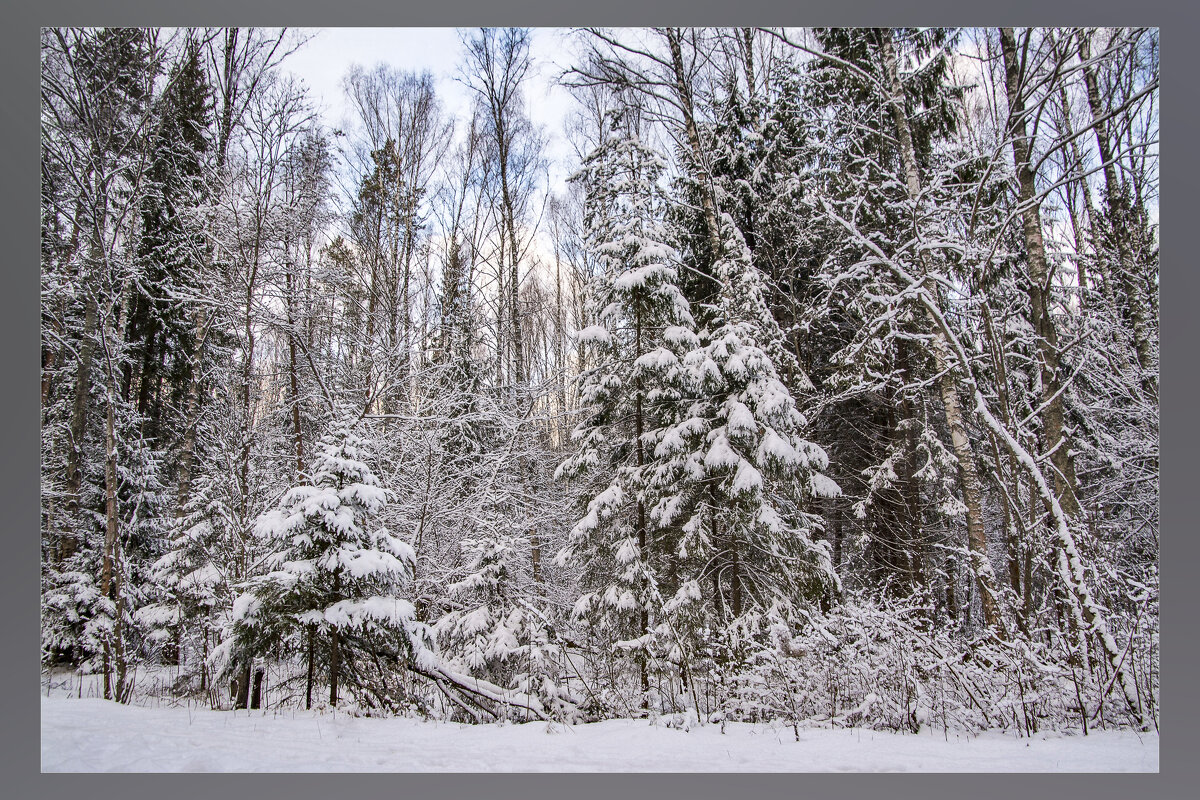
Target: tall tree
643 325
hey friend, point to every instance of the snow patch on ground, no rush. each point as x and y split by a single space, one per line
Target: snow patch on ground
90 735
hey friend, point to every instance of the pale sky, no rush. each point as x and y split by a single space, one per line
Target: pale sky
322 63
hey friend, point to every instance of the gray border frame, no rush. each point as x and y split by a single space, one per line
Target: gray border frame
19 732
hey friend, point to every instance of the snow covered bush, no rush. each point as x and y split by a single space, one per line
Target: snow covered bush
501 630
896 667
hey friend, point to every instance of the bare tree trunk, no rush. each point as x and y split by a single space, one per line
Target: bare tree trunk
560 335
83 376
639 430
910 488
293 376
837 535
1115 197
247 420
335 665
242 682
1040 278
683 91
514 255
308 680
335 650
502 329
976 534
230 83
1080 228
405 299
256 691
108 578
372 309
735 574
191 415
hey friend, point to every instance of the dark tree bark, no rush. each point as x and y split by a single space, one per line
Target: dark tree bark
256 692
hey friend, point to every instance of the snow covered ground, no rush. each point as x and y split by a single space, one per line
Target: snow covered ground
84 735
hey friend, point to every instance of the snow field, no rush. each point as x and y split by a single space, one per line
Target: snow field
90 735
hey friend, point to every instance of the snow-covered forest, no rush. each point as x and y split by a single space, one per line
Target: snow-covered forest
824 392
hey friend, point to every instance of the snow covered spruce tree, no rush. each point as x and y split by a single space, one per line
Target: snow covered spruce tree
884 427
739 474
643 326
335 580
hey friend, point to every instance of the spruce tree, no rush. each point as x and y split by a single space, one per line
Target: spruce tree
737 476
334 575
644 325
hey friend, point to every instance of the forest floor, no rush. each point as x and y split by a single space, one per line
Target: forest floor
92 735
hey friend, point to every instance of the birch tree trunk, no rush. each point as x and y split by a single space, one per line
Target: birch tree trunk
976 534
